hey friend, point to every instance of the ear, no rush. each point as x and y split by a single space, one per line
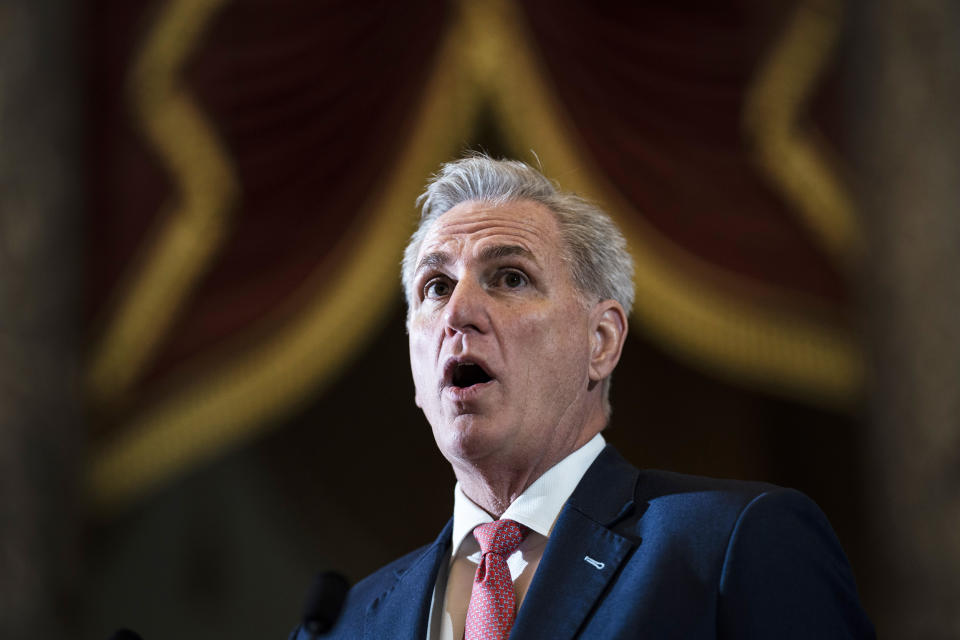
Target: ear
608 333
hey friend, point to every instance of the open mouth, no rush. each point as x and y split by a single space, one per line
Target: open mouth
467 374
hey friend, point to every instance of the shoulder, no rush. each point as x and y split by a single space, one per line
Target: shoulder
613 489
737 512
376 582
655 484
731 520
784 560
780 570
670 495
696 517
690 517
361 595
764 558
611 477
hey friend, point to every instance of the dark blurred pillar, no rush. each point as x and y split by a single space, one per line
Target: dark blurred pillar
40 436
905 114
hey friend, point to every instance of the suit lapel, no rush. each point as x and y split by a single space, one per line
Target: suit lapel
583 554
402 610
580 560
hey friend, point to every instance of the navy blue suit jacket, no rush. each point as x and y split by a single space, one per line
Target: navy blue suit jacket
675 556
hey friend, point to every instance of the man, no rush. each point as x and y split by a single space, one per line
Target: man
518 297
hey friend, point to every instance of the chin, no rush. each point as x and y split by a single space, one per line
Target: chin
466 438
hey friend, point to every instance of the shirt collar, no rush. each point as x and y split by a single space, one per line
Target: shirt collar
538 506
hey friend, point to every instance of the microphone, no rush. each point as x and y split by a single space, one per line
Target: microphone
324 602
125 634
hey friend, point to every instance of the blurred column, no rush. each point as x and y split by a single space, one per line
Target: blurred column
905 116
40 434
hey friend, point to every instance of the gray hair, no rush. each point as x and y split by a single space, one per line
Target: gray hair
594 247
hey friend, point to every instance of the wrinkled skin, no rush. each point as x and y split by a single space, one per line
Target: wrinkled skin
492 289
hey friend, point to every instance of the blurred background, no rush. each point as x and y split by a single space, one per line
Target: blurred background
204 388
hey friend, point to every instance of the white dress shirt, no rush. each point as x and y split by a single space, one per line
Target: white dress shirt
537 508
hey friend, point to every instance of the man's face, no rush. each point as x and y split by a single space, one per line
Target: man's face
499 336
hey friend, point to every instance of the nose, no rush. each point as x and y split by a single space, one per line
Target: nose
466 309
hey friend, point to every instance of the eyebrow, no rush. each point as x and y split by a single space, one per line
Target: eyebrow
433 260
439 259
506 250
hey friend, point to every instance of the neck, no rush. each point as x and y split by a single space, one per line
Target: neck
495 483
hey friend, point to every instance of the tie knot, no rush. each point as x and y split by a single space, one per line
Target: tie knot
501 536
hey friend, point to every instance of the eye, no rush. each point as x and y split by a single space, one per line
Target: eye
513 279
436 288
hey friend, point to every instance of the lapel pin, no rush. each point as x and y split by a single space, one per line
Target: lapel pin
596 564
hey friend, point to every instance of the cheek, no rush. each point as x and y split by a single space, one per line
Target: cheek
418 362
554 343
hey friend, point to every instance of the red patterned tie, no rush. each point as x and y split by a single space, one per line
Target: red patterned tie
493 604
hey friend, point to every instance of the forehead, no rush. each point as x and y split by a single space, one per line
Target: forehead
472 226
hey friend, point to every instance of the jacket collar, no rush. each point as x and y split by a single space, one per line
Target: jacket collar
606 492
581 557
583 553
402 610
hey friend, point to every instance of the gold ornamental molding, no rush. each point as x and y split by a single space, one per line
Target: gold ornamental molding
794 158
248 393
191 227
486 57
678 299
